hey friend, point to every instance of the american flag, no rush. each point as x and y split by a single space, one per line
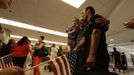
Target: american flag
72 58
6 61
60 65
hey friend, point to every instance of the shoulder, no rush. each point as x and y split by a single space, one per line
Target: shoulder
101 23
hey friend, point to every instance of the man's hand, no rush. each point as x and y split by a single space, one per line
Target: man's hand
90 62
12 71
130 24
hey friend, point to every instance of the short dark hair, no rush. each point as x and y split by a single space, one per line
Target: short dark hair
22 41
42 37
114 48
92 10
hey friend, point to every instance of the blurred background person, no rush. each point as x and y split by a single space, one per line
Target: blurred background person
9 47
124 65
132 59
117 59
53 52
37 56
1 34
2 44
21 51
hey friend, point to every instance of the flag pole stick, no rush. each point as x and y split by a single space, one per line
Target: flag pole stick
27 69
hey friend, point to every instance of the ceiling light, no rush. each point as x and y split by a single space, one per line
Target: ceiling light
31 27
111 40
33 39
74 3
111 45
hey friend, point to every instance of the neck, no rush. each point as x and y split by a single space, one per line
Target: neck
89 17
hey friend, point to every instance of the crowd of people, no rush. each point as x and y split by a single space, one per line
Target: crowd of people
19 52
87 34
120 60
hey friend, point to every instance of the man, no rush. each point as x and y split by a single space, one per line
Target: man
95 54
117 59
4 4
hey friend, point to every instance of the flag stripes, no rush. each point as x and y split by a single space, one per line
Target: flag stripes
60 66
6 61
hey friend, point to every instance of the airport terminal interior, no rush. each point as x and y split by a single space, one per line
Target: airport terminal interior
55 25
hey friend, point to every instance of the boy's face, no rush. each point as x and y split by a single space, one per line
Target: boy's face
4 4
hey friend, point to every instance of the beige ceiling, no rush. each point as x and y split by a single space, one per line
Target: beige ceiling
56 15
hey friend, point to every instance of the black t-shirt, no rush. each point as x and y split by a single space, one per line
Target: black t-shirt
116 55
101 51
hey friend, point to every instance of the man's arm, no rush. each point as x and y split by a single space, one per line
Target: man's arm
95 38
12 71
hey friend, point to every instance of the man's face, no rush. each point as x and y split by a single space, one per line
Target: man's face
4 4
85 14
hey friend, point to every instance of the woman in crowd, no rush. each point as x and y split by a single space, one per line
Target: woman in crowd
2 46
37 57
21 51
54 52
72 33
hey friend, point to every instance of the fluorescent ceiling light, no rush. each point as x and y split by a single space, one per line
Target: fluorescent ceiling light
75 3
111 45
111 40
33 39
31 27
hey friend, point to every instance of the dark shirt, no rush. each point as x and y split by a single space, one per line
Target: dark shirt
2 50
7 50
116 55
73 35
124 60
101 52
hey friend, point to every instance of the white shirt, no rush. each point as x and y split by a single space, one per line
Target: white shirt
54 52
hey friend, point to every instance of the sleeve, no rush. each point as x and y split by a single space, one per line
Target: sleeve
98 26
101 23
